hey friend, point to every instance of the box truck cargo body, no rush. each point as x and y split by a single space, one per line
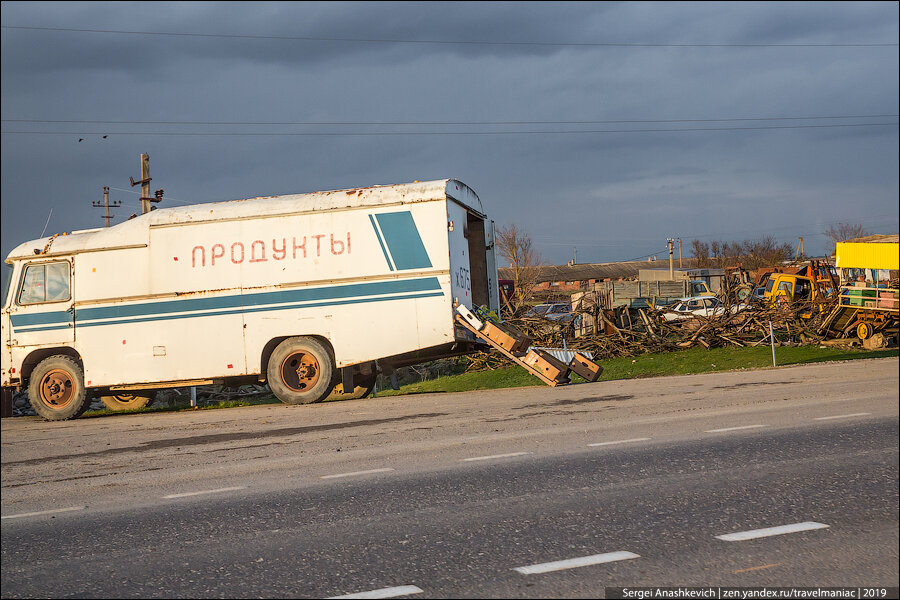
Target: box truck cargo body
301 291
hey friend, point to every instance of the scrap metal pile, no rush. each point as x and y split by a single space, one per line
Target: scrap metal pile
633 331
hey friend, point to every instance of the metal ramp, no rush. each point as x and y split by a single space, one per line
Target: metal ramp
839 320
544 363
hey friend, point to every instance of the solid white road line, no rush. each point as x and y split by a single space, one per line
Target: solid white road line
495 456
574 563
841 416
740 536
620 442
218 491
356 473
44 512
734 428
392 592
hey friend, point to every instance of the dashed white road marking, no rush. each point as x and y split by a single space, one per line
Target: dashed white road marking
841 416
218 491
385 470
493 456
723 430
740 536
391 592
574 563
44 512
620 442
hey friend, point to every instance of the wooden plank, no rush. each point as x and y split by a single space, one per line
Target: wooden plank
508 354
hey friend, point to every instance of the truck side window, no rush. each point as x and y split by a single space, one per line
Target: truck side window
47 282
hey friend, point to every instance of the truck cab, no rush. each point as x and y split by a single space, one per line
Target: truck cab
699 288
784 288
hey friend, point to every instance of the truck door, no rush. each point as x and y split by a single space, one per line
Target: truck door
460 270
491 259
785 291
42 306
4 324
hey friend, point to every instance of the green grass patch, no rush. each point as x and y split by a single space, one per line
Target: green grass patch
683 362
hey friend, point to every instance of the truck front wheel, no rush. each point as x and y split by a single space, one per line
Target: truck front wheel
56 389
300 371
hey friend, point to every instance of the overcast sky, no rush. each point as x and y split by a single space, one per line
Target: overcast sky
606 127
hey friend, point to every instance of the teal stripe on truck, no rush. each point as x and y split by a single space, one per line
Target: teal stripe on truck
380 291
403 240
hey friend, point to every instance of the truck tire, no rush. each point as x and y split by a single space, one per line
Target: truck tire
56 389
363 386
300 371
128 401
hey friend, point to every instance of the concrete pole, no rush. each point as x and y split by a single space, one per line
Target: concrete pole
145 187
671 259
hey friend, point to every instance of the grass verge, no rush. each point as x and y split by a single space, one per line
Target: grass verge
683 362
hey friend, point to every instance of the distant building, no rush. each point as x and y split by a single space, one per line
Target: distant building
579 277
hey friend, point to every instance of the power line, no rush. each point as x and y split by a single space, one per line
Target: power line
333 123
441 42
439 133
621 243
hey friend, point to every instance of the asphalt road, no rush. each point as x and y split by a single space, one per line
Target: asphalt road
529 493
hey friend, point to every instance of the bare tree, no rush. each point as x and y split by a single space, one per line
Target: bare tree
753 254
701 253
842 232
515 246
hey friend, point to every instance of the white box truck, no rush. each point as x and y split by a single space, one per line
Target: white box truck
300 291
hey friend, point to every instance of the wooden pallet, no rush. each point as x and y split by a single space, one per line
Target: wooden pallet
517 347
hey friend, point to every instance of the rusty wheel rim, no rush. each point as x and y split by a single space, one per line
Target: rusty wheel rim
57 389
300 371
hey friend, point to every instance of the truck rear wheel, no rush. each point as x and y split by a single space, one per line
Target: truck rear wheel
128 401
300 371
56 389
364 384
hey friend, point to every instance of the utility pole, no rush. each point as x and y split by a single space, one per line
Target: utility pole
680 262
106 204
671 243
799 250
144 182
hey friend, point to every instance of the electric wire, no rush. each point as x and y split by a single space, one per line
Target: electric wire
438 133
450 42
332 123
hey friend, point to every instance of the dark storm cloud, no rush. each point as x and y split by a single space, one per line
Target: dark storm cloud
614 195
354 29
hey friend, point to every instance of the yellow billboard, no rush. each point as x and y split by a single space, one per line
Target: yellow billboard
862 255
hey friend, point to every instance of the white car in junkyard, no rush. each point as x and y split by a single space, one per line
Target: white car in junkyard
699 306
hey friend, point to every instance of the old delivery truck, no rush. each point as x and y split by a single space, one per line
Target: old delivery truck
300 291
